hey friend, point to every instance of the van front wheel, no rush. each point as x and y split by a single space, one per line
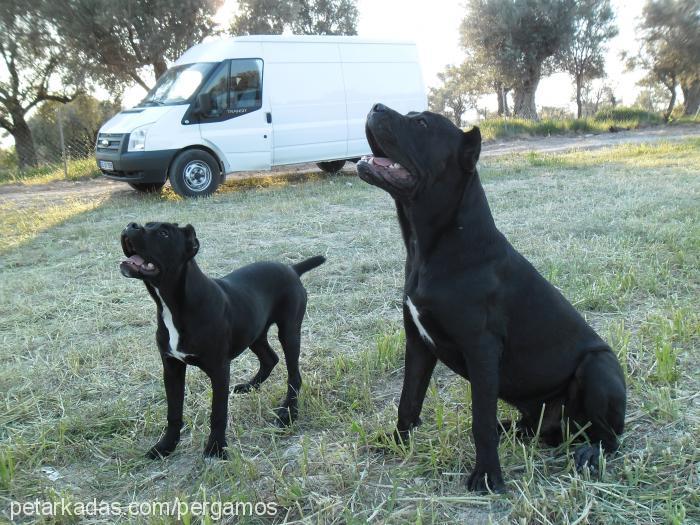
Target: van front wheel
195 173
332 166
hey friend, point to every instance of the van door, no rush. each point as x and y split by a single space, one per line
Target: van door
305 86
236 118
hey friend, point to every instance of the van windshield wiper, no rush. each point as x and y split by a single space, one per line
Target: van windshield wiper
152 103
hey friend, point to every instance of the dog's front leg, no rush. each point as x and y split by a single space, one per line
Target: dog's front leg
483 372
216 445
419 366
174 380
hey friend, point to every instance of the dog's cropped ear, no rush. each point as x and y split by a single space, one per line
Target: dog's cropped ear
191 241
471 148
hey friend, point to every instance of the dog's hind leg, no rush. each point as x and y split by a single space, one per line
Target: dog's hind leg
600 389
268 359
290 338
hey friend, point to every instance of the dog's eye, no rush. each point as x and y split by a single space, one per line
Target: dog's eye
422 122
163 233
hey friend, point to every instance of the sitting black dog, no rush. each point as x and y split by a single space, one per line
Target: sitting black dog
472 301
208 322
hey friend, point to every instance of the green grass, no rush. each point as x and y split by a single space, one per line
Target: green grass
601 122
81 394
77 169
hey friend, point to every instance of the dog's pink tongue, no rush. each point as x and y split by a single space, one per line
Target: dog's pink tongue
136 259
383 161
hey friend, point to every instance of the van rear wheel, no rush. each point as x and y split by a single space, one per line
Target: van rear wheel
147 187
332 166
194 173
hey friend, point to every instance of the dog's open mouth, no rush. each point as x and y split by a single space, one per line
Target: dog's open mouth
378 168
386 165
135 265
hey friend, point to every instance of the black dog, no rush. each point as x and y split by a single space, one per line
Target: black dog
208 322
472 301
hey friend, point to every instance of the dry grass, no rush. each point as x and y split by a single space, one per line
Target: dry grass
81 396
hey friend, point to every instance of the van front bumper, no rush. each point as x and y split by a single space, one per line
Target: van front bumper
131 166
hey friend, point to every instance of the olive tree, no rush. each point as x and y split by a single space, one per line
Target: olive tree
520 39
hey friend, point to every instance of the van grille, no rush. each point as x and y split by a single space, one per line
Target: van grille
109 142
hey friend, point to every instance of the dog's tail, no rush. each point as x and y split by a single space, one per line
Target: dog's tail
309 264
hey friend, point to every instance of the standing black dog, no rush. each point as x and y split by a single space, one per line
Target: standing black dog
208 322
472 301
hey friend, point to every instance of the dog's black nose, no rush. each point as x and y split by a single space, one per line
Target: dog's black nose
379 107
132 226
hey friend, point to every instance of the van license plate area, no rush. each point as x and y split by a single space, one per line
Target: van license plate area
106 165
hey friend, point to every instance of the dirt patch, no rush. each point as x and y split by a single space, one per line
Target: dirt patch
21 195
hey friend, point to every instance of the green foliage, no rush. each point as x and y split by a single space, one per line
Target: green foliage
459 91
620 117
303 17
583 58
622 114
77 169
112 42
519 38
80 119
32 59
671 49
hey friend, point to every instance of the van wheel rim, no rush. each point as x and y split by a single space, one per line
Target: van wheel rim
197 175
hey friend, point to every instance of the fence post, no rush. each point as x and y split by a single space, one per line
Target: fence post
63 144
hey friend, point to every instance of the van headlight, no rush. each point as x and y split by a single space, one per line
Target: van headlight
137 139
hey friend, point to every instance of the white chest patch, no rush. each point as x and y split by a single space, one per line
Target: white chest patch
173 334
416 320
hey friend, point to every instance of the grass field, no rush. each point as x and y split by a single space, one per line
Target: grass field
77 169
81 396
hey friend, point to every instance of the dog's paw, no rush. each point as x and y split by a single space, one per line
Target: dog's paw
285 416
484 480
161 450
243 388
587 456
216 449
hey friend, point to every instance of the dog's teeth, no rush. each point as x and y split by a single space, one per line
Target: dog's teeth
395 166
371 160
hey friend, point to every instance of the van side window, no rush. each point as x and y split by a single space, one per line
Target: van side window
234 89
246 86
217 89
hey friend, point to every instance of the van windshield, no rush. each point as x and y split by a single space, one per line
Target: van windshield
177 85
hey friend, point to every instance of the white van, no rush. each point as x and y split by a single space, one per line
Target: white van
253 102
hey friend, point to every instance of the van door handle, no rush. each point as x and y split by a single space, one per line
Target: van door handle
268 116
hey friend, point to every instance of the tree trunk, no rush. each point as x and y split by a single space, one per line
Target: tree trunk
458 109
524 94
159 66
691 95
499 95
524 103
24 143
579 102
671 104
502 97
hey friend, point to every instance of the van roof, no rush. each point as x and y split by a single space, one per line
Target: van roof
217 49
316 38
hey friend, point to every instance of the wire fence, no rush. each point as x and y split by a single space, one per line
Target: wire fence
54 143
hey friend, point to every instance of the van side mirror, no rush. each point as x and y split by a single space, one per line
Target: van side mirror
204 103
